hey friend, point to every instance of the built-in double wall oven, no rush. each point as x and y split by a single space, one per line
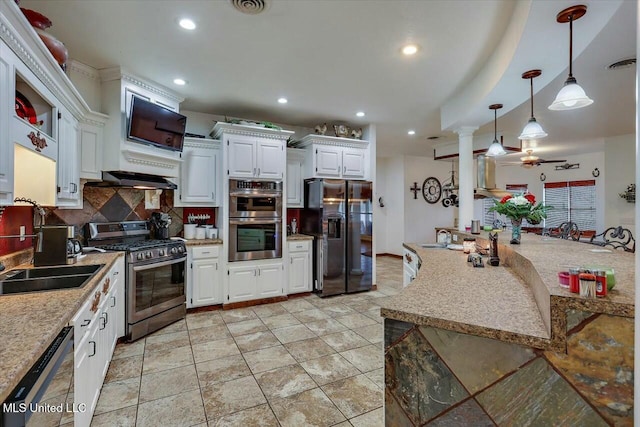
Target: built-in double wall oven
255 220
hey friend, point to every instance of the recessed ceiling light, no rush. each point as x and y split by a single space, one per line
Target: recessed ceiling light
179 82
283 100
412 132
410 49
187 24
360 114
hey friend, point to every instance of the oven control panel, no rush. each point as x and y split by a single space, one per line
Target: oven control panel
175 250
236 184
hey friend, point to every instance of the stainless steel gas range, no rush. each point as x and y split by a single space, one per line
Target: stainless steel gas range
155 282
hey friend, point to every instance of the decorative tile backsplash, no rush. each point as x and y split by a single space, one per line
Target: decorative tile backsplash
104 204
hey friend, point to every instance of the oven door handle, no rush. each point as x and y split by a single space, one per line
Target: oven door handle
254 194
158 264
254 221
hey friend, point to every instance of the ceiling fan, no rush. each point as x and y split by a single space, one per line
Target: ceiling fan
530 160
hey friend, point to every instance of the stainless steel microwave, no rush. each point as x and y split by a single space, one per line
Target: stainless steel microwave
255 199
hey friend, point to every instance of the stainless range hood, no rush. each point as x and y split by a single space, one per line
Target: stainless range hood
132 180
486 184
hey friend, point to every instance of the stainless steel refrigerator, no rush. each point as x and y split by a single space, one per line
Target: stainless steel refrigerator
339 214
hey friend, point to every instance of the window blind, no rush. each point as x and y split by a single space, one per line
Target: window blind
571 201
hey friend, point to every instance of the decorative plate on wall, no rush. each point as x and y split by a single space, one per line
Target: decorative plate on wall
24 109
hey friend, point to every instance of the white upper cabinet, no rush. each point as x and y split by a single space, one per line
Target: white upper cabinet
332 157
252 151
295 183
200 178
68 191
242 156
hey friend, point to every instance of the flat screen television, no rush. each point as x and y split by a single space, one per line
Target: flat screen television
155 125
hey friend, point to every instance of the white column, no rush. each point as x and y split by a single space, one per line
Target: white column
465 178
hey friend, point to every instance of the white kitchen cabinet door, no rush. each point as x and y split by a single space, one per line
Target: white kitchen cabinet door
270 282
117 283
68 165
299 272
206 283
270 159
295 184
198 177
242 284
90 151
6 147
328 161
242 156
353 162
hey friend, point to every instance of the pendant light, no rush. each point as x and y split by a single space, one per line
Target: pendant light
571 96
532 130
495 149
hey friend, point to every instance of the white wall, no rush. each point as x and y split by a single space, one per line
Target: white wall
405 219
620 165
588 162
381 213
421 218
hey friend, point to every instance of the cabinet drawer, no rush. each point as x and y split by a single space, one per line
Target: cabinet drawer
206 252
300 246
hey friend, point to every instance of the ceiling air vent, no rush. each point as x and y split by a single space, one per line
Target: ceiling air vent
250 7
625 63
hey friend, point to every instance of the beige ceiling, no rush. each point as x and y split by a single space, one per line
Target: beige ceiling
333 58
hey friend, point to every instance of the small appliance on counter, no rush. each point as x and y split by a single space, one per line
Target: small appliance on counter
160 222
74 247
51 246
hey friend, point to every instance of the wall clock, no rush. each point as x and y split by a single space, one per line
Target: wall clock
431 190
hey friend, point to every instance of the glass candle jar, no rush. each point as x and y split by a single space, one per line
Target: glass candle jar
469 245
574 280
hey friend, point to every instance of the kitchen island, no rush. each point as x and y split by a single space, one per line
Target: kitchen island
507 344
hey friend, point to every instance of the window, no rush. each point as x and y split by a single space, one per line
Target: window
571 201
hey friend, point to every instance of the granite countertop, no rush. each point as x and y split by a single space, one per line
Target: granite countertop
520 301
202 242
297 236
29 322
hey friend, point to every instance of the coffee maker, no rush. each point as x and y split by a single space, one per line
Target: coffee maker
51 246
160 222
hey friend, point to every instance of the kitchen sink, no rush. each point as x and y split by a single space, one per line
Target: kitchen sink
42 272
46 278
433 245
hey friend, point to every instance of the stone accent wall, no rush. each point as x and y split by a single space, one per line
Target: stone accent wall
103 204
440 378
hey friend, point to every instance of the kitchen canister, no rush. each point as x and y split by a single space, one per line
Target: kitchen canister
212 233
201 233
190 231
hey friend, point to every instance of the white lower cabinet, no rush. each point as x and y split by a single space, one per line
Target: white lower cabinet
204 278
254 279
299 279
410 266
96 327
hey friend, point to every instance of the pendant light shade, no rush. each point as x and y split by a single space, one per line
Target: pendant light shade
571 96
532 130
495 149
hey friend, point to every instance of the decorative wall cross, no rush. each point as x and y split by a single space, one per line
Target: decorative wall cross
415 190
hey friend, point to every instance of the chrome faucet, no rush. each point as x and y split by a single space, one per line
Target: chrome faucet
40 211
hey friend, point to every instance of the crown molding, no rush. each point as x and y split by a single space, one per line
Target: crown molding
331 141
118 73
221 128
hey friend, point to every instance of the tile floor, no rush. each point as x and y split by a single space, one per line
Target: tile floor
304 362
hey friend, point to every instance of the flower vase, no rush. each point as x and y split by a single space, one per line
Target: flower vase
516 225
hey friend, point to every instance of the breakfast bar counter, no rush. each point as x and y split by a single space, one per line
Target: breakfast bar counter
507 344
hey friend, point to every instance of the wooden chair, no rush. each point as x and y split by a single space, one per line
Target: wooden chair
566 230
615 237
